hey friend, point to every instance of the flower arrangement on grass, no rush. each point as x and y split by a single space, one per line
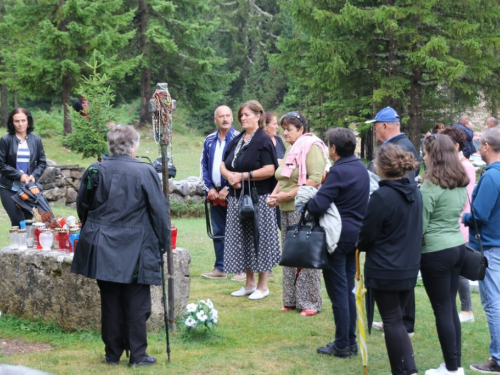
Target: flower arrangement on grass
201 315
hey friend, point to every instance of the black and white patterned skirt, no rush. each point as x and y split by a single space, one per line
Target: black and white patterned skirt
239 249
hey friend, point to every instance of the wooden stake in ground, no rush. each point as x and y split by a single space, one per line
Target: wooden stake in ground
161 107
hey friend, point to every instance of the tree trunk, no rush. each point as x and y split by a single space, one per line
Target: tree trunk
4 114
146 70
65 98
16 103
415 111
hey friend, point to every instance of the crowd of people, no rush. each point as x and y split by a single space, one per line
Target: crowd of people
402 227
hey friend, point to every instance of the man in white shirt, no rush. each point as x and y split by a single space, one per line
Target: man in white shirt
215 185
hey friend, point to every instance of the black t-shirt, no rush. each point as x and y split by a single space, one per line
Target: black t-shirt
257 154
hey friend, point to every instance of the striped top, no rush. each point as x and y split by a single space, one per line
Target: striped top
23 157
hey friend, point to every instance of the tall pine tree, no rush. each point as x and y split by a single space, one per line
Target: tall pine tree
48 59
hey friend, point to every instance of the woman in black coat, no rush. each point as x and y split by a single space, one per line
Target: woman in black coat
391 235
22 160
126 231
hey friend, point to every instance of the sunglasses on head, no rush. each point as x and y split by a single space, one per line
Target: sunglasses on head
292 114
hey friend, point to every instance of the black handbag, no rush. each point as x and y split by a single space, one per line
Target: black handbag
475 264
246 210
305 245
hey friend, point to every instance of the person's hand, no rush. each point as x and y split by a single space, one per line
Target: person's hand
271 201
223 194
25 178
233 179
31 178
212 195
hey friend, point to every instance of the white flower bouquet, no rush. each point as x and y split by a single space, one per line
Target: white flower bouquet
200 315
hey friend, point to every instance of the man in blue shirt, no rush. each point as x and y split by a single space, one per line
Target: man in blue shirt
486 209
215 185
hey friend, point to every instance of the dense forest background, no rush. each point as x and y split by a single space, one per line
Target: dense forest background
337 61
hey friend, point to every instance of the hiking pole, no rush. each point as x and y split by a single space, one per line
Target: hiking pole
164 301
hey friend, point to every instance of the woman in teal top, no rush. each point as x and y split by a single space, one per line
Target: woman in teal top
443 247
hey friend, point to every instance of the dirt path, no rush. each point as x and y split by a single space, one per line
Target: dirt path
18 346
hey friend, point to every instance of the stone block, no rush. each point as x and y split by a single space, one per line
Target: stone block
76 174
71 195
55 194
39 285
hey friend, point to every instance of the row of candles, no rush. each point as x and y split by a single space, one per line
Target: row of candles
36 235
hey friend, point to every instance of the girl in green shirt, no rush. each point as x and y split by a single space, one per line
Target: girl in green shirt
443 246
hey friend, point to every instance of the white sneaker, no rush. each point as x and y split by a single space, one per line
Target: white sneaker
243 292
441 370
258 294
378 326
466 318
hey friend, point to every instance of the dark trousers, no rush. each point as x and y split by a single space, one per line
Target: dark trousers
125 308
15 214
218 218
339 282
440 271
409 313
399 349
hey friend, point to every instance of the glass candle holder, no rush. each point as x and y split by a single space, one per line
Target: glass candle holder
14 238
22 239
46 238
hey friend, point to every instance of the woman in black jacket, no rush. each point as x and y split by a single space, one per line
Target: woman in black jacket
126 232
391 235
22 159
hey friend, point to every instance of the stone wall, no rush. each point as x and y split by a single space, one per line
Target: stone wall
61 184
38 285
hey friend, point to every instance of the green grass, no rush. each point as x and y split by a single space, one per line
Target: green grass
251 338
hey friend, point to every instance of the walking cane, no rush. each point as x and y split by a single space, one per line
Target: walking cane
164 301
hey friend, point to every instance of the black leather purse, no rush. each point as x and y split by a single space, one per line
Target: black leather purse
246 209
474 267
305 245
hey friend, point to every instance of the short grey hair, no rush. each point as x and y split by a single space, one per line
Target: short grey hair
461 116
493 120
491 136
121 139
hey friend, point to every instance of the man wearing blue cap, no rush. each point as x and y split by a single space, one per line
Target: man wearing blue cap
387 129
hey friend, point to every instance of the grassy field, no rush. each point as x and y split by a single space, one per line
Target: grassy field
251 338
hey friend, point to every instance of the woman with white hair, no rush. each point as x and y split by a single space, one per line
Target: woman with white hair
126 231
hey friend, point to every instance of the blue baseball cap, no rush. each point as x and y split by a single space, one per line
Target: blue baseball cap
387 114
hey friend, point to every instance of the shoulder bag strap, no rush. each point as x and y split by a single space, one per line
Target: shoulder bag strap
478 235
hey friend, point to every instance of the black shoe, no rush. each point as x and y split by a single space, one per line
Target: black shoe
148 360
110 362
331 349
354 349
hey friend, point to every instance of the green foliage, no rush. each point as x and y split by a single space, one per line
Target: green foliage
48 59
179 209
47 125
89 132
427 59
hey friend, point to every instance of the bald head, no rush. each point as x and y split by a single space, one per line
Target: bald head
492 122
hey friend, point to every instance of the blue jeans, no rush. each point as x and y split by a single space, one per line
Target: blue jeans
339 282
218 215
489 290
